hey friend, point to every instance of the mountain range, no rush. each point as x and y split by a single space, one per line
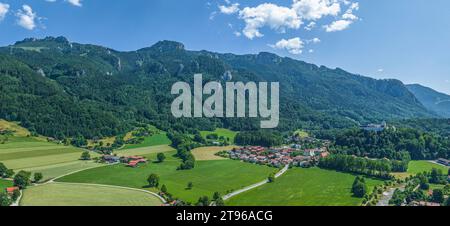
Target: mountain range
431 99
59 88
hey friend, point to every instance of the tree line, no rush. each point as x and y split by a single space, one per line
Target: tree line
372 167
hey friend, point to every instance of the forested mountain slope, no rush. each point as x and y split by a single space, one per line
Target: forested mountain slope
431 99
59 88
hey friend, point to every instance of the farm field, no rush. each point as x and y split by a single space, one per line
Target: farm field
304 187
56 170
416 167
5 184
27 152
221 132
155 140
61 194
209 153
207 177
144 150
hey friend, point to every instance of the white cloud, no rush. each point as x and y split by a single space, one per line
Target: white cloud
231 9
26 17
276 17
281 18
310 26
75 2
316 9
294 45
4 8
380 70
338 25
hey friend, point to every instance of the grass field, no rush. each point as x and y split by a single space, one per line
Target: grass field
144 150
59 194
416 167
56 170
5 184
304 187
221 133
207 177
155 140
25 152
209 153
33 155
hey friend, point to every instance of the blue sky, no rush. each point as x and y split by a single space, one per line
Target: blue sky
402 39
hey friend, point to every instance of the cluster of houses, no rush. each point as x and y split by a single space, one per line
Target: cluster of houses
131 161
279 157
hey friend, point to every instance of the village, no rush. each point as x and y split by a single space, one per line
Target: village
278 157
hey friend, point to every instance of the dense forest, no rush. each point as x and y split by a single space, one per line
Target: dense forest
396 144
62 89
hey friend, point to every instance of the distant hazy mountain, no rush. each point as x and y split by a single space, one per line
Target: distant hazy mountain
59 88
432 99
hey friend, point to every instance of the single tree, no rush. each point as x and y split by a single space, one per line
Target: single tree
15 195
38 177
203 201
359 188
438 196
153 180
164 189
271 178
4 199
190 185
161 157
220 202
22 179
85 156
216 196
3 170
9 173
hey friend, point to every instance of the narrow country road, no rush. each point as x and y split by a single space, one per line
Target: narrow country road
280 173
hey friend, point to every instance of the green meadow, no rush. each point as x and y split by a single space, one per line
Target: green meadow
416 167
207 177
221 133
155 140
5 184
61 194
304 187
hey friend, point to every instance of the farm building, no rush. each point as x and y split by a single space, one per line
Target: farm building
11 190
111 159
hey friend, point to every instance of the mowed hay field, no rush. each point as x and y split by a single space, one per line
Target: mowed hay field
207 176
416 167
304 187
209 153
61 194
35 155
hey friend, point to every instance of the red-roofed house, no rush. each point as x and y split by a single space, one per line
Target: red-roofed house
11 190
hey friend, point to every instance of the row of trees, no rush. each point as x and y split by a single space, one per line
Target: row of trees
371 167
260 138
398 144
184 144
